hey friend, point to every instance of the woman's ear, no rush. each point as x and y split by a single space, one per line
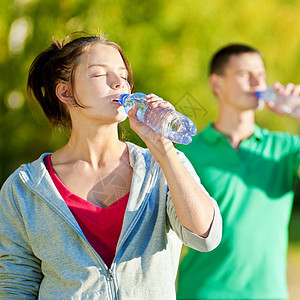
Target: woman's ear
215 81
63 92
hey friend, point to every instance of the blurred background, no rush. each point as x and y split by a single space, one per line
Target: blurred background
169 44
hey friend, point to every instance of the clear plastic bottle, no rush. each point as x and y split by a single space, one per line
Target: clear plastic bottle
167 122
287 104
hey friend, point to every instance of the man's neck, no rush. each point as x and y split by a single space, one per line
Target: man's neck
236 126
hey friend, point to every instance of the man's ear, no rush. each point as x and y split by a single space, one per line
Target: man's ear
63 92
215 82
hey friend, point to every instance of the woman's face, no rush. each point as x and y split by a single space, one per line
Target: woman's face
100 78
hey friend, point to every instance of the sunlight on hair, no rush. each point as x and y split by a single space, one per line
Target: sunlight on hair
20 29
74 24
15 100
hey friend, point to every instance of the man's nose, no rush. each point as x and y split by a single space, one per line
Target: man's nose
255 80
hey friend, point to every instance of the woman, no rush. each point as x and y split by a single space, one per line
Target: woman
98 218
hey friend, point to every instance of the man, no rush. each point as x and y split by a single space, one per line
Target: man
251 173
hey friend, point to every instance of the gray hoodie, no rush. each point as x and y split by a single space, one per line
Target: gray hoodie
45 255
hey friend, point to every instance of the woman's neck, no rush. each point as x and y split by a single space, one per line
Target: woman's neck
97 146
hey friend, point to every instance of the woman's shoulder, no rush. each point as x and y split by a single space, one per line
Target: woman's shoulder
25 172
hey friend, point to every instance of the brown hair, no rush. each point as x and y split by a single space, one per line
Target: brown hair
221 57
58 63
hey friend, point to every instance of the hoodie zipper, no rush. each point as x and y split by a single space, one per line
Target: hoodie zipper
111 284
136 217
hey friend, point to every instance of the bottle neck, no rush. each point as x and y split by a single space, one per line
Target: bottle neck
122 98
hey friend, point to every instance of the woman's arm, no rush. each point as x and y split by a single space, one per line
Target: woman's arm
193 206
20 270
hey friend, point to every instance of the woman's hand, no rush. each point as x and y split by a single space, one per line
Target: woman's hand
154 101
155 142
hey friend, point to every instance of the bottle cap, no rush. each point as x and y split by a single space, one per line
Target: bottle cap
267 95
122 98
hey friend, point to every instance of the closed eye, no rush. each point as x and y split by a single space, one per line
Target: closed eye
99 75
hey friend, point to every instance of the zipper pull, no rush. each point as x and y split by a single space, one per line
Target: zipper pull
109 275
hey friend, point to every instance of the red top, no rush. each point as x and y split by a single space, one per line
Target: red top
101 226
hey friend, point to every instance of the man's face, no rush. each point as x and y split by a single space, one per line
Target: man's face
243 75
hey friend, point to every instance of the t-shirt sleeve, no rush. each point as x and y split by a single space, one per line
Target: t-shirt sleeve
295 162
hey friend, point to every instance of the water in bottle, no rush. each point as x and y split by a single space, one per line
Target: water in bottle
287 104
167 122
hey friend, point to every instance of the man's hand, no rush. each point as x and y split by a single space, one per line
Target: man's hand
288 100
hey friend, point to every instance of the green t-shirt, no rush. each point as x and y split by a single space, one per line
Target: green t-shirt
254 189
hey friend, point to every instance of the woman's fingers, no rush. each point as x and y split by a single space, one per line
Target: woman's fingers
132 112
155 101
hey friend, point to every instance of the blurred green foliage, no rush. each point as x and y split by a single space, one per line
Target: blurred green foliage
168 42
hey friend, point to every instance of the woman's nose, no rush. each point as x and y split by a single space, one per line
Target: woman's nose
118 82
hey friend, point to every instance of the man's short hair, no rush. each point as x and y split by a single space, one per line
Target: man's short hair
221 58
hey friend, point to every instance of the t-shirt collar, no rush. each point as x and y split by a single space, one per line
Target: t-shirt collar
212 135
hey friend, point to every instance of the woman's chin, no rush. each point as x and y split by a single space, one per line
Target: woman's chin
122 117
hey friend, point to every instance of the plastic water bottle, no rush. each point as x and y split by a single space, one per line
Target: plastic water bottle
287 104
167 122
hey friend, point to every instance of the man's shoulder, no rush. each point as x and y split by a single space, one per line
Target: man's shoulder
276 135
198 139
201 147
278 143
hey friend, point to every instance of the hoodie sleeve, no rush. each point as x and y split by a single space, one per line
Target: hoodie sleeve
189 238
20 270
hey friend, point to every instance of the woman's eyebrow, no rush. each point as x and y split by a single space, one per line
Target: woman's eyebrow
105 65
97 65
